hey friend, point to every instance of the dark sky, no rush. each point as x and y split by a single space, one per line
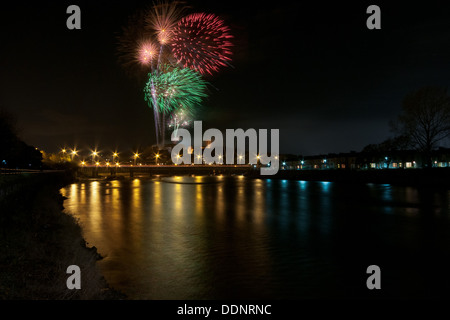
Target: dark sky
311 69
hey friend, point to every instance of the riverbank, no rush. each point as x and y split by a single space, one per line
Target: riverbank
38 241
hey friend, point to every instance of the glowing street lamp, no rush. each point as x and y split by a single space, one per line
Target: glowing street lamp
157 158
94 155
74 153
63 151
136 155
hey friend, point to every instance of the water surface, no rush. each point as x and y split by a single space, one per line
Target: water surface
239 238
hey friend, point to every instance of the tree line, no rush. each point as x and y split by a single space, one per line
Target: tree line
422 125
15 153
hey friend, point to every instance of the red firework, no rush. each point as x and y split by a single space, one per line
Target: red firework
202 42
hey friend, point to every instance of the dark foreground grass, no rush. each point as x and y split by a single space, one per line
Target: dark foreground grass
37 244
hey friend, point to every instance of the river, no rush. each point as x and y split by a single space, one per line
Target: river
239 238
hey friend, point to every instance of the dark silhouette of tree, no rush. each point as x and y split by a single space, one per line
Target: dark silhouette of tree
425 119
398 143
14 153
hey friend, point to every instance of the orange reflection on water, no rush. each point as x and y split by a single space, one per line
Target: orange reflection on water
82 189
199 209
258 204
95 212
240 203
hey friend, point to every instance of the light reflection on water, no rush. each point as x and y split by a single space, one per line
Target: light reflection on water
232 237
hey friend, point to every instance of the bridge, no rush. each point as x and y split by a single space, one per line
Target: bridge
95 171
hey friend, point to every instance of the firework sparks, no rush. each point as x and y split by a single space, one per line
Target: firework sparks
178 119
202 42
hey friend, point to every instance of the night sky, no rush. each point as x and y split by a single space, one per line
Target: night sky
311 69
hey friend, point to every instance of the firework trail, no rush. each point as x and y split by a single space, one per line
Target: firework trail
161 20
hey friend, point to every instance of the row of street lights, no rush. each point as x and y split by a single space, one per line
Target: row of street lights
95 154
115 156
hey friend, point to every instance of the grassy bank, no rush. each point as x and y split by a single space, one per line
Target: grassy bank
38 242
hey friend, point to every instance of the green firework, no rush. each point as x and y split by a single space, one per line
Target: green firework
174 88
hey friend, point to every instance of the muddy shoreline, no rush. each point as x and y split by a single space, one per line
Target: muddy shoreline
38 242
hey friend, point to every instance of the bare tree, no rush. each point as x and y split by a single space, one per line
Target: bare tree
425 119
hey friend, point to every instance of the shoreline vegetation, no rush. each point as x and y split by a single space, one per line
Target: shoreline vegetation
38 242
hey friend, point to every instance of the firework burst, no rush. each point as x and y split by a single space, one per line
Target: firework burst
163 18
175 89
173 51
130 43
146 52
202 42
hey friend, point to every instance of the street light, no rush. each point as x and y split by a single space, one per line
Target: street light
157 157
62 158
74 153
94 154
136 155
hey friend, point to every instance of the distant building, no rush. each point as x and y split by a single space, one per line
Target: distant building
408 159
